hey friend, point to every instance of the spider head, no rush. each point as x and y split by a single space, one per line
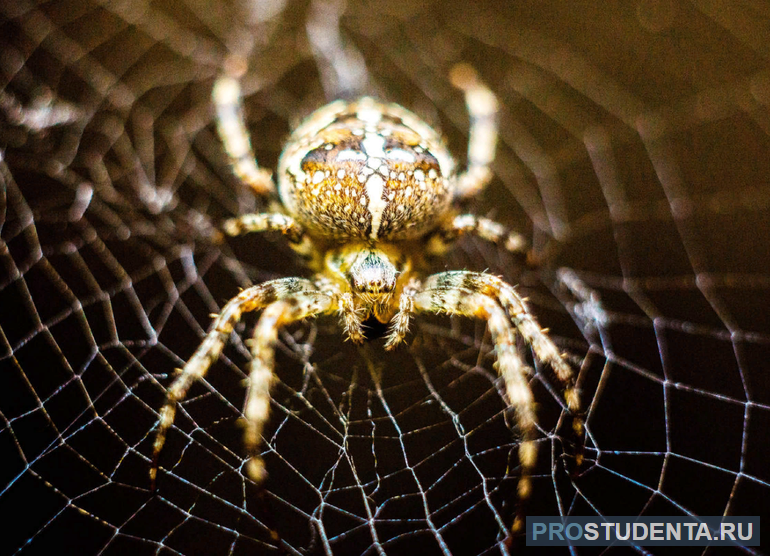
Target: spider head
372 275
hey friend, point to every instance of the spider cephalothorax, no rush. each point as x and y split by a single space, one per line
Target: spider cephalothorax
368 193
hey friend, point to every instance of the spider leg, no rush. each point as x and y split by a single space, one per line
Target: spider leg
351 315
340 63
280 313
231 126
352 320
544 348
399 324
441 240
482 109
271 222
265 222
484 296
250 299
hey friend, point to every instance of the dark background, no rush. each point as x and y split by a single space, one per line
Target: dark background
635 143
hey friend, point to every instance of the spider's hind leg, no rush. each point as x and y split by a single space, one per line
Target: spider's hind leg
482 109
231 127
341 65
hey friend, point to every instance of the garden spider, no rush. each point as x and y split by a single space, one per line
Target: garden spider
368 191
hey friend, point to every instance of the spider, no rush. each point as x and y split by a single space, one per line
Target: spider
368 192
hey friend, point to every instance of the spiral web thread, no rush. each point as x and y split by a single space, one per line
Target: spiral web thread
634 151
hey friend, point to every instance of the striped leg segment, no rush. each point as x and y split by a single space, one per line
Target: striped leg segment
231 126
265 222
250 299
482 109
484 296
442 239
399 325
278 314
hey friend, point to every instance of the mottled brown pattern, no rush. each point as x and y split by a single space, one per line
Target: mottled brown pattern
414 193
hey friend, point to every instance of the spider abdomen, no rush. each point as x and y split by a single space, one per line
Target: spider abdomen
365 171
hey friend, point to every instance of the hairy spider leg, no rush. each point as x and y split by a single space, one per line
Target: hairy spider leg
278 314
442 239
297 292
272 222
226 95
482 110
484 296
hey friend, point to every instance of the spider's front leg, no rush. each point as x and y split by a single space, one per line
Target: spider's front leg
278 314
399 324
299 298
485 296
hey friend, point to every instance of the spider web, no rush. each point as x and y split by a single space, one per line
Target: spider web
634 152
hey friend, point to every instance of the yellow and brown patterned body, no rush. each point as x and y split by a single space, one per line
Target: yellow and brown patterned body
365 171
370 195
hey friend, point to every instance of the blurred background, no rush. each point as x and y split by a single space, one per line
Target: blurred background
634 152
